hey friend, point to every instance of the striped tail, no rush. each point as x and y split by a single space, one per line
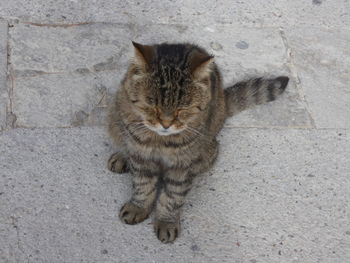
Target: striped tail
245 94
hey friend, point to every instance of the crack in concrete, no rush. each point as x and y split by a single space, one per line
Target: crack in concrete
294 72
14 223
10 116
131 24
56 25
34 73
108 65
27 73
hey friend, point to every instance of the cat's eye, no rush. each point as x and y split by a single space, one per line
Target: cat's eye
194 109
150 100
182 114
188 112
134 101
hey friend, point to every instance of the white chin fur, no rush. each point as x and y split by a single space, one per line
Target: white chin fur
162 132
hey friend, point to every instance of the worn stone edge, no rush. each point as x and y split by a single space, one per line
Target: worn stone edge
292 68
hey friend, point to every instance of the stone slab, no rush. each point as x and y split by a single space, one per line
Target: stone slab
64 100
3 74
83 48
238 51
260 203
244 13
98 48
322 60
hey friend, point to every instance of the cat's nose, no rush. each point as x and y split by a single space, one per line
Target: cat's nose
165 124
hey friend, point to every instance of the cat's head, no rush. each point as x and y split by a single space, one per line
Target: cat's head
168 86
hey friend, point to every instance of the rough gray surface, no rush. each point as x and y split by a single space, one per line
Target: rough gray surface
56 100
280 189
260 203
322 59
3 70
68 49
248 13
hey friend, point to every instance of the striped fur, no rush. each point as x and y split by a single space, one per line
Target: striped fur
252 92
175 87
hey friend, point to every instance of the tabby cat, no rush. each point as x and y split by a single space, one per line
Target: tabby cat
165 119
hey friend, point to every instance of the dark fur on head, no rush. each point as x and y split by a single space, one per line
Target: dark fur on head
168 84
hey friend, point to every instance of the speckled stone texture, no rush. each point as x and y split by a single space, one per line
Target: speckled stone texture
261 201
244 13
279 192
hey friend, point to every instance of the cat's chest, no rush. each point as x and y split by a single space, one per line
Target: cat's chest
167 156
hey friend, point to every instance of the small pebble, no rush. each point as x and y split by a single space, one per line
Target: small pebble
242 45
216 45
194 248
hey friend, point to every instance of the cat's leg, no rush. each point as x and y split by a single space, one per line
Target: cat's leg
177 184
118 163
144 180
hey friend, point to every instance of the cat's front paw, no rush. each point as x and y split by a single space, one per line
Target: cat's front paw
166 232
132 214
117 163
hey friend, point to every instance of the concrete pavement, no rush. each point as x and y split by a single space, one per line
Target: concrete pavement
280 189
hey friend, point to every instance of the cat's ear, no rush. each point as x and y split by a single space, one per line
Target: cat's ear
200 65
143 55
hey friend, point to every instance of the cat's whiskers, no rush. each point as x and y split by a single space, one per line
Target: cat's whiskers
186 137
197 132
191 129
141 129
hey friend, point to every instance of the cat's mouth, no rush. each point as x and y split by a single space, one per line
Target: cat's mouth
164 131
